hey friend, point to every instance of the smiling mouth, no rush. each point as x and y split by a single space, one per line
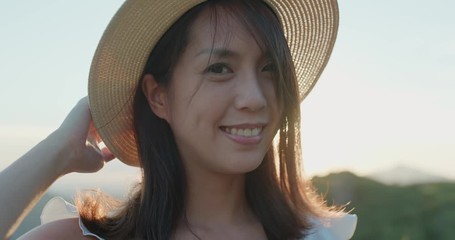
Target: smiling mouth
243 132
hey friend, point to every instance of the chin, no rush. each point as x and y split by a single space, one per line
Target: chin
244 167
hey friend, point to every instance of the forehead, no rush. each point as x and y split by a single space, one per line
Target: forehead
218 27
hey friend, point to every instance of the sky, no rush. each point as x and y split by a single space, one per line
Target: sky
386 97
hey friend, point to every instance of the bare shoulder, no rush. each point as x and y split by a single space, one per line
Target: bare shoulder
67 229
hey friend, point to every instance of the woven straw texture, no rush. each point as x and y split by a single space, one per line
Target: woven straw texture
310 28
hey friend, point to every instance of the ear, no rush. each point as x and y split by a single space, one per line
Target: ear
156 96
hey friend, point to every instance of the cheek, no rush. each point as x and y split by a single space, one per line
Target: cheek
198 110
178 99
270 93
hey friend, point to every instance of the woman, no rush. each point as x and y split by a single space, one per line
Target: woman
194 93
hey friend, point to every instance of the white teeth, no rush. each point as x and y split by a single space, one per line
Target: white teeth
244 132
240 132
247 132
255 131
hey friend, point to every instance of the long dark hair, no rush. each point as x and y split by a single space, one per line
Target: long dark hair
276 191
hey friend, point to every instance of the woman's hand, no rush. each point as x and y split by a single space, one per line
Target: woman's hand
66 150
79 142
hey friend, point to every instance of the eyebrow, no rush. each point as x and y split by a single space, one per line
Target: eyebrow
217 52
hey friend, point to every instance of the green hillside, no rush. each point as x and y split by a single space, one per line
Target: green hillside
417 212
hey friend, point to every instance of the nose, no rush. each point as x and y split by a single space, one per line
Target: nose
250 94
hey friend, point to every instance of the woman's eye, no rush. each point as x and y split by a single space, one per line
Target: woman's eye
218 68
270 67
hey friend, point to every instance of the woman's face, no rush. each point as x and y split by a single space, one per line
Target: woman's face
221 102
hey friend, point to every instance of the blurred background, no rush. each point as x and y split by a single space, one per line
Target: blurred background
377 130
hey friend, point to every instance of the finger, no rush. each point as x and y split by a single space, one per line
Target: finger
93 137
100 148
77 123
92 161
107 154
95 140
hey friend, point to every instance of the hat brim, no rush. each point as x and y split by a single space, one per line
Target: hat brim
310 27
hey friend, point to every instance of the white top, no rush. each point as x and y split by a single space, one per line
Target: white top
324 229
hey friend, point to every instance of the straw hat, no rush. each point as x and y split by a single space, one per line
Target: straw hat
310 27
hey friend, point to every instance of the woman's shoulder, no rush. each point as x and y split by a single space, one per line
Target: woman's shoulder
67 229
59 220
333 228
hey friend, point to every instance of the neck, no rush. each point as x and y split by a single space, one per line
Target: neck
217 200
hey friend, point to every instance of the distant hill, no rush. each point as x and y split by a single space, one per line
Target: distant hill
420 211
402 175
